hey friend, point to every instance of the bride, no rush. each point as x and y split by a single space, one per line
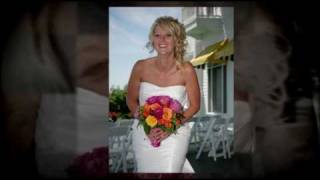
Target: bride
164 74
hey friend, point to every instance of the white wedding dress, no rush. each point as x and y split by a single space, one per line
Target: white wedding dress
170 157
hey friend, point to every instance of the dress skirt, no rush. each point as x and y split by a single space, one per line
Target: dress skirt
169 157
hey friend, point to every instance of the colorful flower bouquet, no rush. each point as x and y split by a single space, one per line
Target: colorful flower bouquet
161 112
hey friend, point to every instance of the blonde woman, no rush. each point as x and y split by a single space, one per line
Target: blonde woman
165 74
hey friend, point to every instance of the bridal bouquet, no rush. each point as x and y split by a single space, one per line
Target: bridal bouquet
160 112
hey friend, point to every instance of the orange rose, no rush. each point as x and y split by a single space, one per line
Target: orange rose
162 121
146 110
155 106
145 114
167 114
168 125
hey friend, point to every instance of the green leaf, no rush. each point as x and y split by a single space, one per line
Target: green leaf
163 128
174 120
146 128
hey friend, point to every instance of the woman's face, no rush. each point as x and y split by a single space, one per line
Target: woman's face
163 41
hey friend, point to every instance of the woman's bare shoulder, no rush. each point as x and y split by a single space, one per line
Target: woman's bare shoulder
142 63
187 67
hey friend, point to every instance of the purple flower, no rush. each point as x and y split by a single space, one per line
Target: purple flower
164 100
175 106
158 113
152 99
155 143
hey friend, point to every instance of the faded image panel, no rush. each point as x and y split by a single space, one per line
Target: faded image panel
275 82
54 85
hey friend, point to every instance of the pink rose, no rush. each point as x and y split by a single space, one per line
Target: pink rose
175 106
164 100
152 100
155 143
158 113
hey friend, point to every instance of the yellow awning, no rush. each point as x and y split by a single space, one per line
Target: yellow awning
222 53
214 53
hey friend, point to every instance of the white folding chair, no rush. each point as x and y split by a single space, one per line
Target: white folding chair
229 136
125 122
217 139
119 139
205 131
200 124
194 137
129 156
222 137
110 124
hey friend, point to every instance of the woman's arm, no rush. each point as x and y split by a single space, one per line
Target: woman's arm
133 88
133 94
193 91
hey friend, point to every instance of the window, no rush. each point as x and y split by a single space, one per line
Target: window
217 96
217 11
202 11
209 11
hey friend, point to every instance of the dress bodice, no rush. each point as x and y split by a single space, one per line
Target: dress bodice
177 92
171 154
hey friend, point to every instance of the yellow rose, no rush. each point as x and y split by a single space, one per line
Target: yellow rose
151 121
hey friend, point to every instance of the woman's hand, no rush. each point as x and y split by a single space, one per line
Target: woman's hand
158 134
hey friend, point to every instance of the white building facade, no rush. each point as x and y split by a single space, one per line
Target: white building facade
206 26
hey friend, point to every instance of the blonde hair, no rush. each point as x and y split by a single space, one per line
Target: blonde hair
179 36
